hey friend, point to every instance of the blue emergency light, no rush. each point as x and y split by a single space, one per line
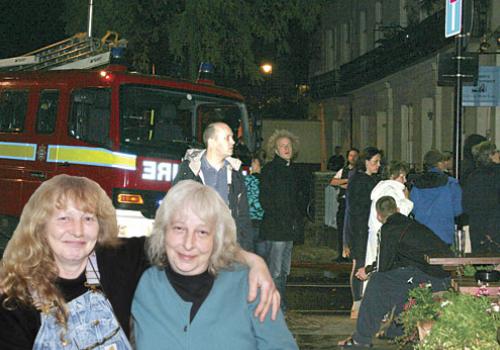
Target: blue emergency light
206 73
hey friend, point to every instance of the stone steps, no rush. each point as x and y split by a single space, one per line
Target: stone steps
316 289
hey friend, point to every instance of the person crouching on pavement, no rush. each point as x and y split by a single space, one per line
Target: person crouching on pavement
401 267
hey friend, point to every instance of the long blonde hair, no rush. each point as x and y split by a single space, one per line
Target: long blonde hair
28 270
206 203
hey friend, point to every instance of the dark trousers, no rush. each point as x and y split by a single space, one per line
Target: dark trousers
388 290
261 247
340 225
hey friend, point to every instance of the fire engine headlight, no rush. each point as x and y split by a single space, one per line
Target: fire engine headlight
125 198
144 201
106 76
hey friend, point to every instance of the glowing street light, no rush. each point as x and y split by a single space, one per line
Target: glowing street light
266 68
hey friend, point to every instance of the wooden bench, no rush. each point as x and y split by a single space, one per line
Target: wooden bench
468 259
466 284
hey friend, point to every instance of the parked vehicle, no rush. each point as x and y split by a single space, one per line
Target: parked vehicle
127 131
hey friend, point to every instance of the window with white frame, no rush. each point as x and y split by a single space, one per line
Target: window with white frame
345 43
403 13
329 43
378 23
363 35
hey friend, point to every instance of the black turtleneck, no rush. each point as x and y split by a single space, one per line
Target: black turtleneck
193 289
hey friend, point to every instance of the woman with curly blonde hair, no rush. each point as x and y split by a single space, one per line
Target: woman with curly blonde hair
67 280
57 259
196 272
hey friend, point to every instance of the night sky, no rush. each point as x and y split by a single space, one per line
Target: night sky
26 25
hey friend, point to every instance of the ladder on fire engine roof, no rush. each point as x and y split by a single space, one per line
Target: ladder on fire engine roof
76 52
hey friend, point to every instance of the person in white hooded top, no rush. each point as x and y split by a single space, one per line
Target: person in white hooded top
394 187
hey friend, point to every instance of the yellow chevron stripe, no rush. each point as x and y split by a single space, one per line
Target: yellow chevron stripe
91 156
19 151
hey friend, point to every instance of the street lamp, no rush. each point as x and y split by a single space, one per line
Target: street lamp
266 71
266 68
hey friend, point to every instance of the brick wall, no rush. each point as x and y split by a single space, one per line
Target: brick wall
321 180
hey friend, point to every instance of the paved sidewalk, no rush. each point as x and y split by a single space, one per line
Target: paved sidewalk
321 332
318 283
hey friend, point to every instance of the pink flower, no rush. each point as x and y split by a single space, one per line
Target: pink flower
482 291
409 304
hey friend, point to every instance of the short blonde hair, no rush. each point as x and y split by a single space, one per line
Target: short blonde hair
28 263
206 203
396 168
281 134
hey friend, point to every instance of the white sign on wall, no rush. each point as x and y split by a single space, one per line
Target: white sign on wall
486 93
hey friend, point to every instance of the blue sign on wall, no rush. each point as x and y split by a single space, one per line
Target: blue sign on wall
487 91
453 21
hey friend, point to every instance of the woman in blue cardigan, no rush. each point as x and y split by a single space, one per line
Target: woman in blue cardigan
195 294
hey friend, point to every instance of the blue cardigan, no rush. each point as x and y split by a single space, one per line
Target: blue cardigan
224 321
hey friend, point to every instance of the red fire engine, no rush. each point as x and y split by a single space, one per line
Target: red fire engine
126 131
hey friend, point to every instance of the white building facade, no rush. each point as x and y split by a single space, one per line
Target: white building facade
376 76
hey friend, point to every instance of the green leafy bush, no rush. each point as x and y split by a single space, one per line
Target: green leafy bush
461 321
465 322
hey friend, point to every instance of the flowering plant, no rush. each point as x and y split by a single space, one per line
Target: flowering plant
422 306
465 322
461 321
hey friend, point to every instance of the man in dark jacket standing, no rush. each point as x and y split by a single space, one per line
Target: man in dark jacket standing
401 267
279 196
216 168
481 199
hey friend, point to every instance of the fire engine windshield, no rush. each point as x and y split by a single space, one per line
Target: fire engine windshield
153 117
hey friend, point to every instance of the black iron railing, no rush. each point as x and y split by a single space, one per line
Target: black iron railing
325 85
401 50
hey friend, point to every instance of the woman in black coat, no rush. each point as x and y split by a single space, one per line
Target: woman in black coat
358 196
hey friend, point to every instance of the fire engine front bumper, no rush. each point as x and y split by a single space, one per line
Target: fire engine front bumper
132 223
